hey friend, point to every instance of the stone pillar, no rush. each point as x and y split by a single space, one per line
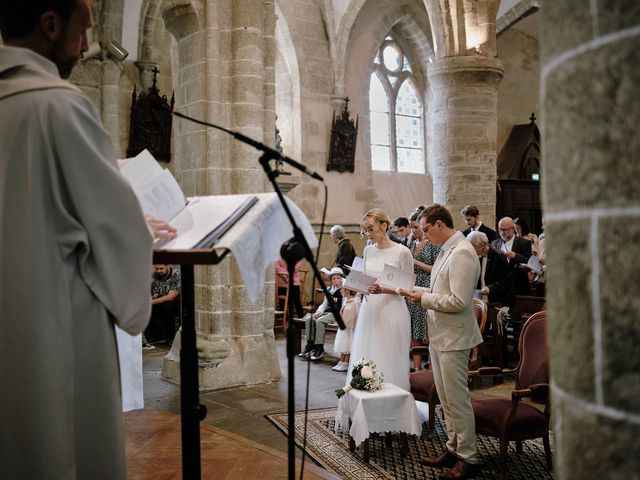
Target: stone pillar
463 110
591 186
233 88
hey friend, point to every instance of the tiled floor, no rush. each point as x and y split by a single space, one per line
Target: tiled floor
235 418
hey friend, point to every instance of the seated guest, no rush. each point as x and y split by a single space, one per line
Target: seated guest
518 250
282 284
315 323
495 282
471 216
165 304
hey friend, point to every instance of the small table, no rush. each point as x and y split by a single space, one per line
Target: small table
390 409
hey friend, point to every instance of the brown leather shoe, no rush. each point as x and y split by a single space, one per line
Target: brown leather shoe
445 459
460 471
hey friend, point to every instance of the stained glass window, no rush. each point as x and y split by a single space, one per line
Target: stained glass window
396 113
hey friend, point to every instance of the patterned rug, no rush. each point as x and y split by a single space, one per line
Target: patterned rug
331 451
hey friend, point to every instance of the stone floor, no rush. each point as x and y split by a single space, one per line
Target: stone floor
241 410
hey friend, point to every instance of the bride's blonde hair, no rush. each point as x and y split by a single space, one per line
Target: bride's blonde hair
378 216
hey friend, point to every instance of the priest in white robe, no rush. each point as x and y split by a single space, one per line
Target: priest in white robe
75 256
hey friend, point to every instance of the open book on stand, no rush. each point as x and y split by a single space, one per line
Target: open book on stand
199 221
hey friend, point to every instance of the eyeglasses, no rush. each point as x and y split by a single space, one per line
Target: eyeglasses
426 227
505 229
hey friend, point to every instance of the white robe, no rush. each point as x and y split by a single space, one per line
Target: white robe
75 255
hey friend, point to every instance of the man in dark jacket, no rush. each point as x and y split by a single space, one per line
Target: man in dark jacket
471 216
346 253
495 276
517 251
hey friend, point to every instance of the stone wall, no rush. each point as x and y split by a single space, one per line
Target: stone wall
591 110
519 90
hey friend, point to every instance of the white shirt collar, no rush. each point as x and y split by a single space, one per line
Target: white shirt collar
453 239
508 246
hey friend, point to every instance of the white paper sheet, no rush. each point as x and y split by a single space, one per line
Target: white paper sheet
394 278
533 264
358 281
358 264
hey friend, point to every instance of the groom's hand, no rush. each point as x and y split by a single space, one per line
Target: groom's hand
414 295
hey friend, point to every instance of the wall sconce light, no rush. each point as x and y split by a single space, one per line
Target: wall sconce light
111 49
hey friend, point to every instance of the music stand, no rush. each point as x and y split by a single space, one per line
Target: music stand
191 411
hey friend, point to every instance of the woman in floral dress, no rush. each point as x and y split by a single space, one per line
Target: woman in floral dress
424 256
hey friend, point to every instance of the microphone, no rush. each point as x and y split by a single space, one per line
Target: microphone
272 153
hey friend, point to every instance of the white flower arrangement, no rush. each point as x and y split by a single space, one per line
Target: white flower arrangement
365 377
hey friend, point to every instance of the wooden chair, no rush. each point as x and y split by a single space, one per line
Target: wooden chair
509 419
280 316
423 386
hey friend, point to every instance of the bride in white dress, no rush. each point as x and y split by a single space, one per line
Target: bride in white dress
383 330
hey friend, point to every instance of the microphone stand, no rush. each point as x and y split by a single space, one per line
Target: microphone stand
292 251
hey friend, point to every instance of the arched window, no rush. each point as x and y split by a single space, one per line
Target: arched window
395 113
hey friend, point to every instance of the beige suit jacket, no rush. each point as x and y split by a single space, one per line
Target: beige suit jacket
452 325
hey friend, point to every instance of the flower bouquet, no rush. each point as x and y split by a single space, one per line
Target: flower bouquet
365 377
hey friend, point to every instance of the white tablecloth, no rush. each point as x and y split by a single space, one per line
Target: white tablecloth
390 409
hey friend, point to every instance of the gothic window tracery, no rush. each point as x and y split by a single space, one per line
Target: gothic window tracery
395 113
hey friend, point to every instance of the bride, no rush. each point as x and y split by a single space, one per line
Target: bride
383 330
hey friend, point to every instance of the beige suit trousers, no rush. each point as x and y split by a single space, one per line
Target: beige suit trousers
450 375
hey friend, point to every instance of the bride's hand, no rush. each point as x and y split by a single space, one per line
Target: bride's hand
375 288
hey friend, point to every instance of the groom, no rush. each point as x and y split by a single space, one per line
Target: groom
453 332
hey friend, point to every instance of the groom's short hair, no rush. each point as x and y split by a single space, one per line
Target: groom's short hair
436 212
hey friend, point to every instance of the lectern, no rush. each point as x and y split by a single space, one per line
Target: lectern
191 411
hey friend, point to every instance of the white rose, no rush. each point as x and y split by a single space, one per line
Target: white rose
366 372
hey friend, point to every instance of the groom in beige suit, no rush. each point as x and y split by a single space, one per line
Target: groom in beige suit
453 332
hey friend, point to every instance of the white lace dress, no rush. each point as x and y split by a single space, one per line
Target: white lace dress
383 330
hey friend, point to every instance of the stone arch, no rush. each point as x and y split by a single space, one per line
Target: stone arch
288 96
343 33
110 20
458 27
180 16
412 36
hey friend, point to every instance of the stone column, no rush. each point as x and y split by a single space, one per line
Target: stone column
463 111
233 88
591 186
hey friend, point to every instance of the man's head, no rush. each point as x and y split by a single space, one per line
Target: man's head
403 227
506 228
480 242
55 29
471 216
437 223
161 270
337 233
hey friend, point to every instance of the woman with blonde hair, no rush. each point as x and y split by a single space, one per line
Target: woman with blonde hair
383 330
